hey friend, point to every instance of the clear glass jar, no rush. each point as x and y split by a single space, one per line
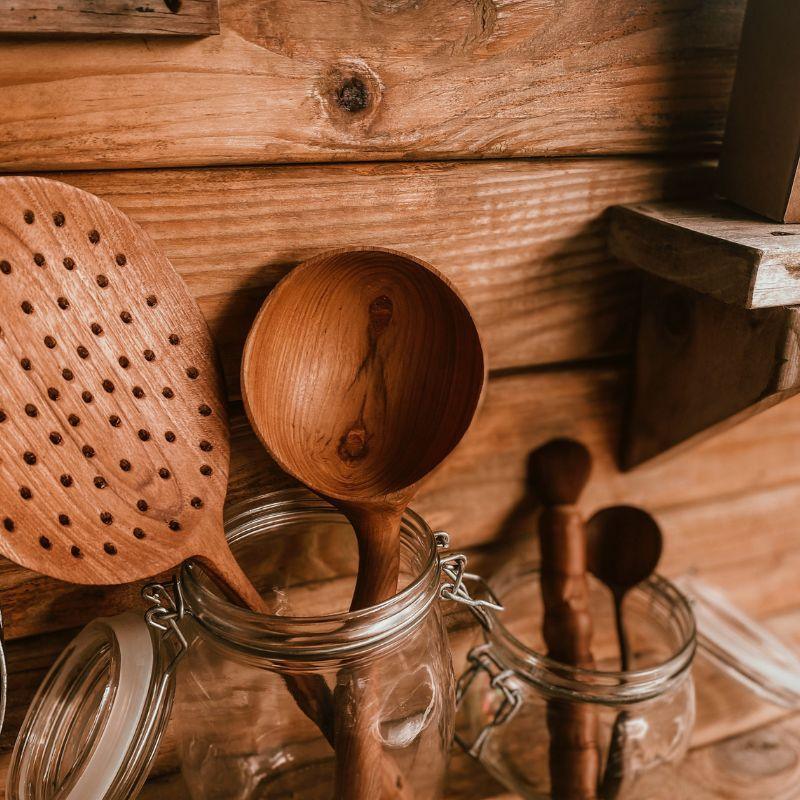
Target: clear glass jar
522 709
379 680
240 732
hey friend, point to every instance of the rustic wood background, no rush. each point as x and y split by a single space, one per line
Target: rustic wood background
488 137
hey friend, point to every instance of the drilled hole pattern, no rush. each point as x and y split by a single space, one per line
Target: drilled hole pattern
111 396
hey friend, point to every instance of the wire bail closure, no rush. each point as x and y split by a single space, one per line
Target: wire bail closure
481 659
453 566
167 609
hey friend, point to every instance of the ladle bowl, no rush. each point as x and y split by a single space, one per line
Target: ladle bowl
362 372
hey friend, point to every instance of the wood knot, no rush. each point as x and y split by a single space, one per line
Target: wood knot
353 445
352 95
173 5
380 314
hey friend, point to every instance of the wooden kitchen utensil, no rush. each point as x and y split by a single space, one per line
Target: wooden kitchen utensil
113 434
559 472
362 372
624 546
623 549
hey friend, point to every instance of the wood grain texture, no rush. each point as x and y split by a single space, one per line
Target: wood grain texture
525 242
114 448
710 502
703 366
346 80
110 17
759 163
714 247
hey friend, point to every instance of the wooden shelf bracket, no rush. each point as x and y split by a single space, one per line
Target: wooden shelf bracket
719 332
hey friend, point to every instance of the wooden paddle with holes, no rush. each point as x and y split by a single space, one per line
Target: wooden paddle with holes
113 435
114 444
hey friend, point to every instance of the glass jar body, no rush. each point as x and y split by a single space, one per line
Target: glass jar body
388 672
643 718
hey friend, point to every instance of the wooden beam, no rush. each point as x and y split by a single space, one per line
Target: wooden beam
344 80
713 247
703 366
110 17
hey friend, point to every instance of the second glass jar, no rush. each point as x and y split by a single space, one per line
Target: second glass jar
607 734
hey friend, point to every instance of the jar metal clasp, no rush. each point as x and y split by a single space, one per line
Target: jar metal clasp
481 659
167 609
453 566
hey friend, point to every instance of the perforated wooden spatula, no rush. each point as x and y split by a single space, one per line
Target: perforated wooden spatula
113 435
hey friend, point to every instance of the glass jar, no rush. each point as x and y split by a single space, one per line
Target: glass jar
525 714
380 681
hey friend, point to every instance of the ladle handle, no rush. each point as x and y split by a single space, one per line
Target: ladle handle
358 693
310 692
622 636
378 535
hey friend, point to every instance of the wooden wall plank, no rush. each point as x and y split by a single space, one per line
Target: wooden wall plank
348 80
525 241
728 508
110 17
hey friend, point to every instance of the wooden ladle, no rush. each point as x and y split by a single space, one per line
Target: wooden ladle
361 373
624 546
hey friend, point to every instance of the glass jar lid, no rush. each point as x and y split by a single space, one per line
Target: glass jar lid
94 725
742 647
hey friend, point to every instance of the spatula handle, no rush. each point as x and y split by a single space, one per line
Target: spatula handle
311 693
227 573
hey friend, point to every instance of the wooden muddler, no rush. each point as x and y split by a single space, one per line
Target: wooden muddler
560 470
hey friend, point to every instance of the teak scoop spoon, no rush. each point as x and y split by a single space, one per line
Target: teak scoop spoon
362 372
624 546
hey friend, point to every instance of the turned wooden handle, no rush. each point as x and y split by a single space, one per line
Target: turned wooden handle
567 630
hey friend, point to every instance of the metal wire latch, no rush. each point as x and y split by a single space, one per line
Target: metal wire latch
453 566
481 659
167 609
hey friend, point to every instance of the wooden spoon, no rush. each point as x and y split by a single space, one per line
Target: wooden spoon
113 434
559 472
624 546
362 372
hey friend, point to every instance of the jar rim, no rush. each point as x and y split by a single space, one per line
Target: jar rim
304 638
592 684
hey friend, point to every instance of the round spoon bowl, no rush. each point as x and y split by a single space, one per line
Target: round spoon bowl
624 546
362 372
